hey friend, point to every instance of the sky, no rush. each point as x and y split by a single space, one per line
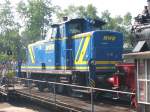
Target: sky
115 7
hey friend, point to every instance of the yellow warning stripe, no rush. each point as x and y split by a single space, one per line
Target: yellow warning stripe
91 83
83 35
104 68
83 51
76 67
31 54
53 67
79 50
107 62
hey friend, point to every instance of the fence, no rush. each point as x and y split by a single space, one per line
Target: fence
29 85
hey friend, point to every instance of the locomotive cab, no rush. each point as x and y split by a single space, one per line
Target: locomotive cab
73 27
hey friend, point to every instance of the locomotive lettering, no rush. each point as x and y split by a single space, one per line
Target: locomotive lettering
109 38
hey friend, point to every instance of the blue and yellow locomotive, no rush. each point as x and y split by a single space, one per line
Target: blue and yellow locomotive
66 53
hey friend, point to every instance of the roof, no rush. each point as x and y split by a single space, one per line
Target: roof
137 55
139 46
96 21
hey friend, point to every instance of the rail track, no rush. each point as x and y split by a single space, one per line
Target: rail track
67 103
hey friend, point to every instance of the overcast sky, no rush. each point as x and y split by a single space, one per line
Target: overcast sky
115 7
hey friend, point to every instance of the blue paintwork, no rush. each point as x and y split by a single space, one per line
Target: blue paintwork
104 48
63 54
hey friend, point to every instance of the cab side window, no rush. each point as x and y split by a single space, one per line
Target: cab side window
54 32
62 31
75 28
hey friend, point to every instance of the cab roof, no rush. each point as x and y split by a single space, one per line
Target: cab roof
97 22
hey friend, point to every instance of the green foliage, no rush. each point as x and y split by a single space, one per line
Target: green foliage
6 17
121 24
11 74
37 18
91 11
9 38
4 57
77 12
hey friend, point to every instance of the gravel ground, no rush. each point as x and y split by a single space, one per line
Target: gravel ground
7 107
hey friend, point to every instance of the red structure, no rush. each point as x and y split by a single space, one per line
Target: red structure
124 80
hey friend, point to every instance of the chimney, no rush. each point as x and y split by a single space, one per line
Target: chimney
148 2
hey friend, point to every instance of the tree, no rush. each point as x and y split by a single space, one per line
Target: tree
118 23
106 16
77 12
37 18
6 19
8 29
127 20
70 12
91 11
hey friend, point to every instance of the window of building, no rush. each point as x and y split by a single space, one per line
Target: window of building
142 91
148 91
143 83
141 69
148 69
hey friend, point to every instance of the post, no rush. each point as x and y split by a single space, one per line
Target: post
92 69
92 102
29 82
19 61
54 93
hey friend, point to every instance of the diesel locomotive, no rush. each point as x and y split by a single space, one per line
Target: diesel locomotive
79 51
68 49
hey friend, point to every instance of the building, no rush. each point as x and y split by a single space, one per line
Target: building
142 61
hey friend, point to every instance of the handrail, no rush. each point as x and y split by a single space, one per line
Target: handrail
83 87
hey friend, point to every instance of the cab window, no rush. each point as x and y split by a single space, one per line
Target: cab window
96 27
62 31
52 33
75 28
